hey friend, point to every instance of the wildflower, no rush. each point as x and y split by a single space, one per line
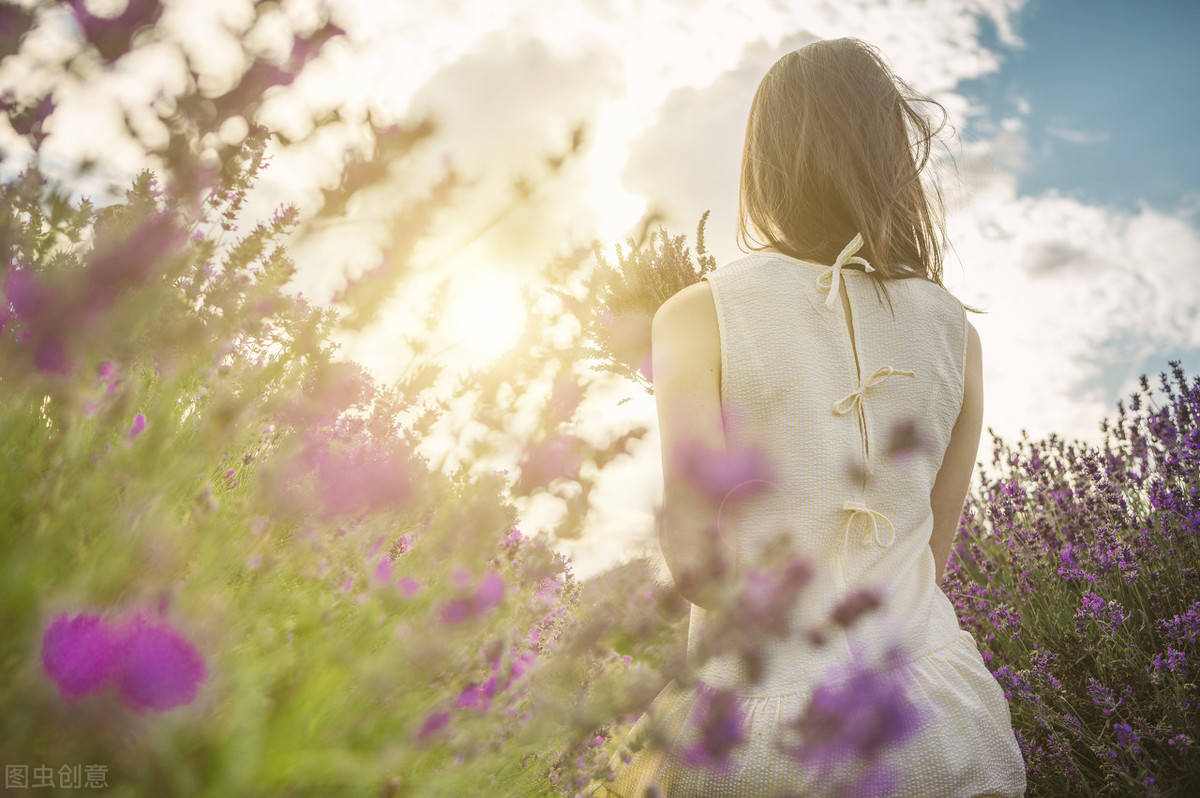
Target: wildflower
383 569
50 355
434 722
1182 629
720 720
853 606
555 457
1102 696
28 297
139 424
78 653
159 668
1127 738
717 472
483 600
854 720
1107 615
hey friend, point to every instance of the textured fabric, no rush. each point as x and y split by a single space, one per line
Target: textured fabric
822 408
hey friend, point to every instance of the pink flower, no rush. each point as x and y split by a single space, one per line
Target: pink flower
28 297
139 424
362 480
483 600
383 570
717 472
159 668
433 723
554 457
78 653
408 585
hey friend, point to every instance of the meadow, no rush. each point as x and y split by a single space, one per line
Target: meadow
229 567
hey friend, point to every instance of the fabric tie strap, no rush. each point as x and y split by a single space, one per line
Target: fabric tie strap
851 400
855 507
831 277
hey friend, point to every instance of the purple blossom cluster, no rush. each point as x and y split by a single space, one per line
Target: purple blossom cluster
1074 568
153 665
851 723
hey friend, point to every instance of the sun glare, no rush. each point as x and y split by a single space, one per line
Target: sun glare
483 318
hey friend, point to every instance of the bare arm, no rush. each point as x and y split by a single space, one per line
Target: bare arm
686 357
954 478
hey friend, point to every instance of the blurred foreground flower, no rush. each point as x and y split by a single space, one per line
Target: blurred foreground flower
485 598
720 720
854 720
78 653
155 666
718 472
159 668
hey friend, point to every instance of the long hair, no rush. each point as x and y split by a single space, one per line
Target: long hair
835 147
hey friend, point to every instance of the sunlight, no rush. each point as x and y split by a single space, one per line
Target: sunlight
483 318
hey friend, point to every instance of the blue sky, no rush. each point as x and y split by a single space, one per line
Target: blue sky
1111 88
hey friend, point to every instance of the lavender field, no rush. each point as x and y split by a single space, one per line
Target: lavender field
229 564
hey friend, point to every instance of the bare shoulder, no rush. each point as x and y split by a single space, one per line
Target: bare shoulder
689 311
685 335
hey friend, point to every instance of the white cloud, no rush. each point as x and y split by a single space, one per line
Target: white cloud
1078 136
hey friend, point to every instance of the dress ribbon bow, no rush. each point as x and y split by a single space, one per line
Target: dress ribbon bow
831 277
852 399
855 507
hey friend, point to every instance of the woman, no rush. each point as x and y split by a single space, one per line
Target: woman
867 414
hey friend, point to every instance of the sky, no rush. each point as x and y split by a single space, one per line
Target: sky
1073 190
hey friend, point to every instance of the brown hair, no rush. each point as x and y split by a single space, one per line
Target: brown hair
828 155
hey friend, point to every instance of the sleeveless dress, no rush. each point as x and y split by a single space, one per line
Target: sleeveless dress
822 407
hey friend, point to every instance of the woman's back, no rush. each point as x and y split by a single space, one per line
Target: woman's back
826 381
821 377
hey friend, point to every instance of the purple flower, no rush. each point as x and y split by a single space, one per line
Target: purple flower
1182 629
383 569
28 297
855 605
50 355
78 653
361 479
1127 738
854 719
408 585
139 424
159 668
475 695
433 723
718 472
1103 697
720 721
484 599
1108 615
555 457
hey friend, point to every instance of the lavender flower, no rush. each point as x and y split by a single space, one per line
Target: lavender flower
159 668
720 720
854 721
78 653
483 600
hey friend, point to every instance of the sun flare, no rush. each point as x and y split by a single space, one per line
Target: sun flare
484 316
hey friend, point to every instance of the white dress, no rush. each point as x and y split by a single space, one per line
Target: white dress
819 406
